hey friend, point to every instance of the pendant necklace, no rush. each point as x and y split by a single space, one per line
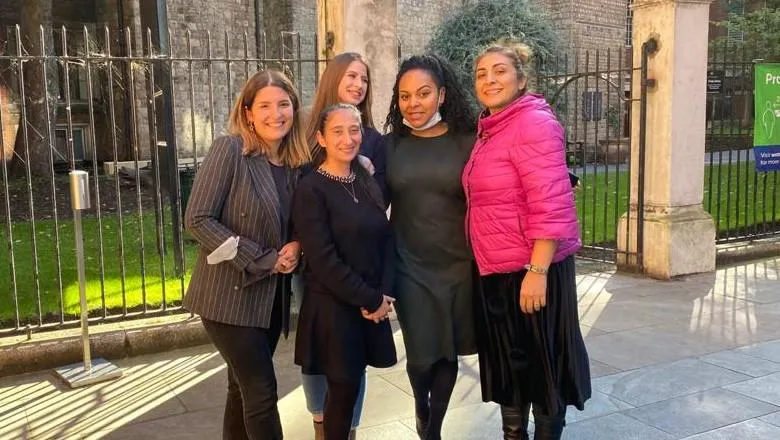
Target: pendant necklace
341 181
351 193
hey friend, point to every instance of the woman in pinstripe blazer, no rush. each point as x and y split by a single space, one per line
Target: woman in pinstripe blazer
243 190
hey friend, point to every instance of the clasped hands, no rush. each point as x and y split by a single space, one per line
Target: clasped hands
288 258
382 312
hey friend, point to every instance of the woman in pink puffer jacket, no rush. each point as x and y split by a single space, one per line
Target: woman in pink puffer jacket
522 226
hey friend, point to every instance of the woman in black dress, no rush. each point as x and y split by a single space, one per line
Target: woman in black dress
339 215
346 79
431 130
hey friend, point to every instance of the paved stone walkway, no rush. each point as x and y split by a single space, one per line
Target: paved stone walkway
695 358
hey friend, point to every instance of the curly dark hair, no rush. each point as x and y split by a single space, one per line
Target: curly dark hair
456 111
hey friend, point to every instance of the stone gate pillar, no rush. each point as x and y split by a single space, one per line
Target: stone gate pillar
368 28
679 236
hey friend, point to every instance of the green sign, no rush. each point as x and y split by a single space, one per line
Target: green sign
766 131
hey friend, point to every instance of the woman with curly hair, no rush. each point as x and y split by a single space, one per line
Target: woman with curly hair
431 131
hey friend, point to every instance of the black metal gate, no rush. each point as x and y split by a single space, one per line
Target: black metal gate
593 94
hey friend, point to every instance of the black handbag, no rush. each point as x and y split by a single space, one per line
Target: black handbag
574 179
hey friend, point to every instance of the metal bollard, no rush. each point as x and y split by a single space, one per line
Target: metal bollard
97 370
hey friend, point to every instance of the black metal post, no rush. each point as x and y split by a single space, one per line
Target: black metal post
648 47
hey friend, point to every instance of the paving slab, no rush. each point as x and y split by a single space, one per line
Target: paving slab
750 429
613 427
665 381
768 350
630 349
737 360
599 405
766 388
700 412
773 418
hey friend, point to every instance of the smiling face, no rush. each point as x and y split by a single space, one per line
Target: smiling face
272 114
497 82
341 136
353 84
419 97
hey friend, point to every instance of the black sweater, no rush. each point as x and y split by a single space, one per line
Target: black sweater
347 246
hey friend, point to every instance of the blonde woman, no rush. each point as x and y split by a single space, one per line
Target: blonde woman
240 208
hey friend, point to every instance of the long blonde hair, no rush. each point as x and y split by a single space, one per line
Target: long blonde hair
293 150
328 93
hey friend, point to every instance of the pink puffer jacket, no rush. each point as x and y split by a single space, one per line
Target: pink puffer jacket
518 189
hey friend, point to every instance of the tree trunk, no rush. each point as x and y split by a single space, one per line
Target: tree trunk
34 14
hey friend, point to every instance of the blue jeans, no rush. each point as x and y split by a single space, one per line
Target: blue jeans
315 386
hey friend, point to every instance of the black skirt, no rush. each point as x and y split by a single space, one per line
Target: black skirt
539 357
334 339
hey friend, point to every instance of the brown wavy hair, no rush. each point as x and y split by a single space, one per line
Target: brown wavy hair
328 93
293 151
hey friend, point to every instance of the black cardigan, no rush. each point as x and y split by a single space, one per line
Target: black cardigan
349 255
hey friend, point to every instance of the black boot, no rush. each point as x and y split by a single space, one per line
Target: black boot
514 421
548 427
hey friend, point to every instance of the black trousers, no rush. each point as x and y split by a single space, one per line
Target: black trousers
250 411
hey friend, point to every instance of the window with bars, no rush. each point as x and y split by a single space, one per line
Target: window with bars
81 147
592 105
77 72
736 7
629 23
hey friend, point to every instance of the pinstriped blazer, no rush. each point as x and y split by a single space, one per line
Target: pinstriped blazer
234 195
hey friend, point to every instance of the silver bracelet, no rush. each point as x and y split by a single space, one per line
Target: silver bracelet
535 269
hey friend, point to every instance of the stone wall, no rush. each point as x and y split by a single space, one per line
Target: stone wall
599 24
417 20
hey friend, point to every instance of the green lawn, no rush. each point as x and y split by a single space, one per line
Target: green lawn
601 199
138 287
737 197
747 199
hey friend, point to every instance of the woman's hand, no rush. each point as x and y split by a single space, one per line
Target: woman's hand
533 292
381 313
288 258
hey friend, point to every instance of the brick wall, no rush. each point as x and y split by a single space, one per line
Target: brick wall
237 17
417 20
203 99
305 24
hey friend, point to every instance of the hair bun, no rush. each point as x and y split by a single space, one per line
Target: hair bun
521 50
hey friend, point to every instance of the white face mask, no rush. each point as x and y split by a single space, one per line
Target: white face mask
435 119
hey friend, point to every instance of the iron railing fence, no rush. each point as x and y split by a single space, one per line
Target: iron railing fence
745 204
592 94
138 115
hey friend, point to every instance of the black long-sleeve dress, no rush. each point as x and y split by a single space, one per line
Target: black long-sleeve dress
348 249
434 265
